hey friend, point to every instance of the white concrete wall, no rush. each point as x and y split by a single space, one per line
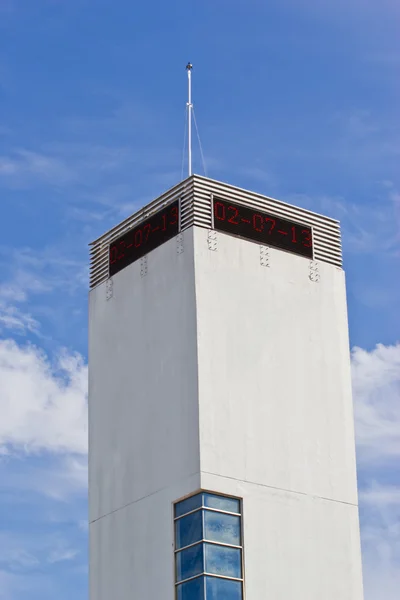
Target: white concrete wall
296 546
276 416
143 422
215 372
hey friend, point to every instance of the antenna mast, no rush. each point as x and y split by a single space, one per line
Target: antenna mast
189 105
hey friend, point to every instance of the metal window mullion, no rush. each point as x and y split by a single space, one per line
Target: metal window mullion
188 579
203 507
242 542
224 512
188 546
188 513
205 541
203 524
223 576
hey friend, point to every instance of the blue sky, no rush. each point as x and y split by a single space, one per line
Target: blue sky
296 99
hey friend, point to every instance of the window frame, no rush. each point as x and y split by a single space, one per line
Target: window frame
204 574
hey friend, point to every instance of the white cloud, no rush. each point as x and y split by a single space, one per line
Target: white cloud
376 388
380 534
43 406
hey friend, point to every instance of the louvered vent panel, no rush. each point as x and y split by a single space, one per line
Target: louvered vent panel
326 231
195 194
99 248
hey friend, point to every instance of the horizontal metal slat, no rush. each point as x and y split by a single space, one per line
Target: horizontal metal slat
195 194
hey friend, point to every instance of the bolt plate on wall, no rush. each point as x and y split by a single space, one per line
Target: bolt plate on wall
314 272
143 266
264 256
109 288
179 243
212 240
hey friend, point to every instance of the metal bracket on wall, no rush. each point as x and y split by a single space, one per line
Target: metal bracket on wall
314 272
264 256
212 240
179 243
143 266
109 288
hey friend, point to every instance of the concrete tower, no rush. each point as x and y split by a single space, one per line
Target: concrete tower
221 442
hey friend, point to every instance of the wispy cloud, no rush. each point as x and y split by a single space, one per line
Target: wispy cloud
24 167
343 10
22 553
16 320
57 477
62 554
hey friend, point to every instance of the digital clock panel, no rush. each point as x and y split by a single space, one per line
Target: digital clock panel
143 238
261 227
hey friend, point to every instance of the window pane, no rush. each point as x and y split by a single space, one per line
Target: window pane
189 562
222 528
192 590
223 561
188 505
222 503
188 530
223 589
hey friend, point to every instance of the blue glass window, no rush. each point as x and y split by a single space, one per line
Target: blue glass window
191 590
223 589
219 527
189 529
182 508
189 562
208 548
222 503
222 560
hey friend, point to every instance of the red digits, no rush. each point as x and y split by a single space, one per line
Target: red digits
219 211
164 223
113 254
294 234
121 246
258 222
235 214
272 224
307 241
174 213
138 238
147 229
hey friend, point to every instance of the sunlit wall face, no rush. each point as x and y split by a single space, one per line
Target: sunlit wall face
219 369
208 548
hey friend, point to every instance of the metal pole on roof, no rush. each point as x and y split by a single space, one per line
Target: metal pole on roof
189 105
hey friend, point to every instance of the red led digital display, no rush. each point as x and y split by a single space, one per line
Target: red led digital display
261 227
143 238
